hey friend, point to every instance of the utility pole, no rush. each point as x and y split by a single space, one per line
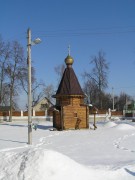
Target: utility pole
29 86
29 44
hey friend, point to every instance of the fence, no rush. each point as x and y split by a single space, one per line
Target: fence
117 113
48 115
113 113
23 115
105 114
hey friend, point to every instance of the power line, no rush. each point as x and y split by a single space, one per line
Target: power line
86 31
61 34
101 31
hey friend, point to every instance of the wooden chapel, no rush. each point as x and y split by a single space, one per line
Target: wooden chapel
70 111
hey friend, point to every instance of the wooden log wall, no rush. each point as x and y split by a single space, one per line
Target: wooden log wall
56 120
75 116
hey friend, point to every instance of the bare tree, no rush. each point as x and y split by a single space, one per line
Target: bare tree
14 66
49 91
90 88
121 100
5 94
59 71
37 87
98 75
14 75
37 91
4 56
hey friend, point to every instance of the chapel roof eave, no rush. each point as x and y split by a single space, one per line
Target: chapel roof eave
68 95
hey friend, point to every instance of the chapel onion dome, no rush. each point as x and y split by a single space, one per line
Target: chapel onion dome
69 60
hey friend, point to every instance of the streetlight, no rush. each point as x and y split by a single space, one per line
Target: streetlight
29 44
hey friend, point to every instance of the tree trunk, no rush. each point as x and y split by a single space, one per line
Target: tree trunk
11 105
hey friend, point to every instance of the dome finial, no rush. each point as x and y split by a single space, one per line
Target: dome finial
69 60
69 50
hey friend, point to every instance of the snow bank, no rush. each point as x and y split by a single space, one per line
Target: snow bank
115 119
124 127
40 164
110 124
119 126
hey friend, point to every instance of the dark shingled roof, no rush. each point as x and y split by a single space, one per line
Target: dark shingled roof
69 84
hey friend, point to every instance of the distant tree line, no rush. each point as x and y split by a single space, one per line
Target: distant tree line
96 82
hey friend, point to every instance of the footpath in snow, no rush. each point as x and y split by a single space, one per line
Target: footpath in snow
107 153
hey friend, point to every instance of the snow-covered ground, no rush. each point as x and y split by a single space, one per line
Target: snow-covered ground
107 153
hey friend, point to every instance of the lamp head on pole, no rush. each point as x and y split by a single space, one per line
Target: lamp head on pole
36 41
